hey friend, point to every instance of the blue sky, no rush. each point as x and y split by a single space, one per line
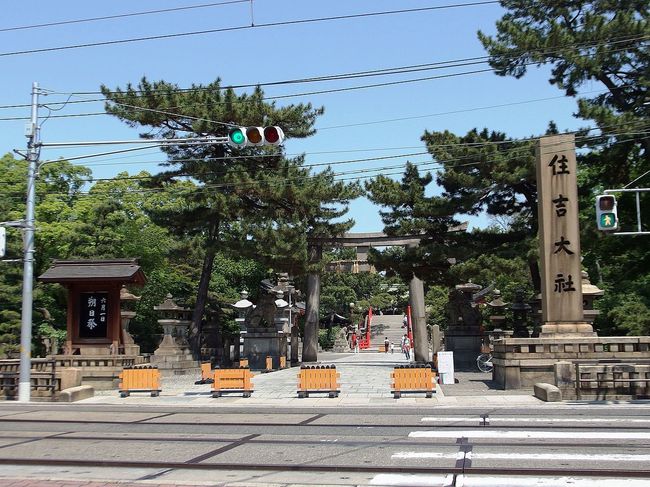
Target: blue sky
262 54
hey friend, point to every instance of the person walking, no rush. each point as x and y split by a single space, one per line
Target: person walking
386 344
392 347
406 347
355 343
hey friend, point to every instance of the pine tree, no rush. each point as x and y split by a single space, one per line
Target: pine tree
237 189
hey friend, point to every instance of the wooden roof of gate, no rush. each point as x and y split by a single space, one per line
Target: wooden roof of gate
113 270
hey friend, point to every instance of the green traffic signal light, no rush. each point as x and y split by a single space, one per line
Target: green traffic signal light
237 137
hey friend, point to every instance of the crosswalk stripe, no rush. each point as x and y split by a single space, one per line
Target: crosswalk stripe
409 455
414 480
493 419
505 434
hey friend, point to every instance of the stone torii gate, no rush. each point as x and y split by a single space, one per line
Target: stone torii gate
362 242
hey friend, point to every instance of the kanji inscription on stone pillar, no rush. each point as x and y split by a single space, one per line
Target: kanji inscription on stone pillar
559 236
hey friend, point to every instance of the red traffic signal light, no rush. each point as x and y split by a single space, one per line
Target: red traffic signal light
255 136
273 135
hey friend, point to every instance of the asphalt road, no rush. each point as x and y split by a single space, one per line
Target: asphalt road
581 445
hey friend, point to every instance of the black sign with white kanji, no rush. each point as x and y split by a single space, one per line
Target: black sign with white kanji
93 315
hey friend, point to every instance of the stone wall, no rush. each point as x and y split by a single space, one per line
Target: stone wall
100 371
521 362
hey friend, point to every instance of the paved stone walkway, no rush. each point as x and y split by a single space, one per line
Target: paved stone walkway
364 381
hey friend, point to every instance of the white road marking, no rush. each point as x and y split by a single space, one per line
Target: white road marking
410 480
573 435
421 480
495 419
475 481
473 455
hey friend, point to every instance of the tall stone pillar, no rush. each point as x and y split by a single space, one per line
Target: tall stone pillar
419 320
559 238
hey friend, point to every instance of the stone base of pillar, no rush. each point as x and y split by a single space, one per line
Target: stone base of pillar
567 329
174 359
465 342
262 342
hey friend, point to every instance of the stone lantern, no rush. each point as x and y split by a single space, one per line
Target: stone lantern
520 310
589 295
243 306
127 313
173 356
281 313
497 316
464 334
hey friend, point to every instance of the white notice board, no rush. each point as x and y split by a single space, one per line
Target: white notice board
446 367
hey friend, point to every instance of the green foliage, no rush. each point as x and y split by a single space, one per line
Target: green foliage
411 213
46 330
436 301
58 188
632 314
336 299
604 42
327 337
508 275
249 201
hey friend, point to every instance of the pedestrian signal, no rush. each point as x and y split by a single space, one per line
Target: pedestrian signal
606 215
255 136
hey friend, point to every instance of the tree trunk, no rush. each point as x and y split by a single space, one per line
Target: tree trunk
310 343
535 276
202 297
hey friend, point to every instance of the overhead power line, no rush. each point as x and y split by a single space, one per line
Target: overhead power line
349 75
335 90
441 163
120 16
245 27
364 174
409 68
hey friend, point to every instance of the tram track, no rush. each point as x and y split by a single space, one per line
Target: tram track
319 443
313 468
451 424
61 436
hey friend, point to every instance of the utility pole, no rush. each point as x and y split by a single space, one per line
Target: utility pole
246 136
33 150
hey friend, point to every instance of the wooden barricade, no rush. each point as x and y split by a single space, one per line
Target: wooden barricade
413 378
318 378
232 380
269 363
140 379
283 362
206 373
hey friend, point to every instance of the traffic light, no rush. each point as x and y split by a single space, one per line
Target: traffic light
255 136
606 216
